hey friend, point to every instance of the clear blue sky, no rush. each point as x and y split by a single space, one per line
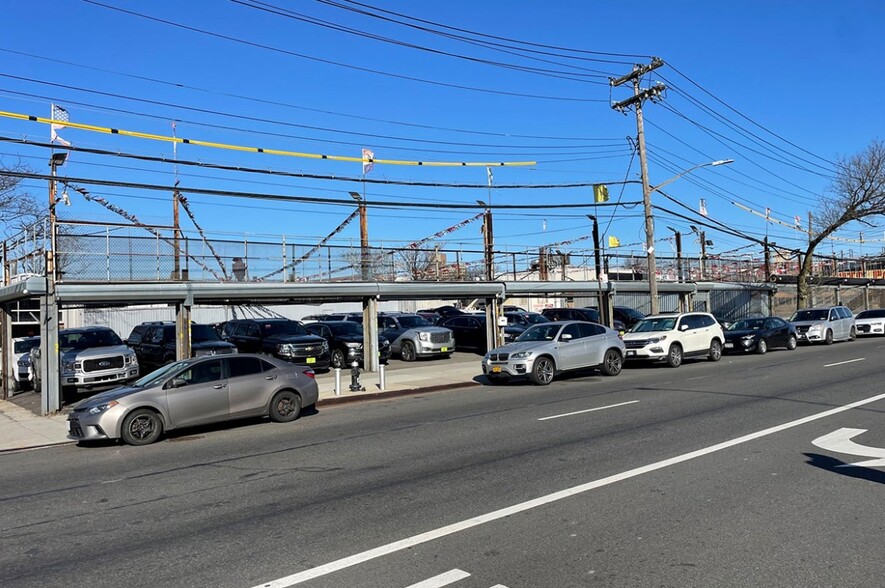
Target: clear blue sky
783 88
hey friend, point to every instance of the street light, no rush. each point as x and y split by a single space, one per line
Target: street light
650 227
364 237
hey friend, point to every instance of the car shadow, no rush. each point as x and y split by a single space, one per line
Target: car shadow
836 466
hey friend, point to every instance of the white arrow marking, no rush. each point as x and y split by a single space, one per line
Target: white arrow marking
840 442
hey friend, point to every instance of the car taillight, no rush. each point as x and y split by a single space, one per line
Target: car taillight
309 374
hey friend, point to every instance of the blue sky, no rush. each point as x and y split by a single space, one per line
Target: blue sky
783 88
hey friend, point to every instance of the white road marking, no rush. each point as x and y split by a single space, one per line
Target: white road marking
449 577
470 523
557 416
840 442
844 362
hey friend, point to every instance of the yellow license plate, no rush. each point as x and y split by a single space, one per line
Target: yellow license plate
311 360
444 349
496 369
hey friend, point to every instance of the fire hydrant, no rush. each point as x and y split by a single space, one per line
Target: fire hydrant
355 385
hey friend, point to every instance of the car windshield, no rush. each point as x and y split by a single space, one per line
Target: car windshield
25 346
202 333
340 329
811 314
648 325
543 332
283 328
88 339
159 375
747 325
864 314
410 322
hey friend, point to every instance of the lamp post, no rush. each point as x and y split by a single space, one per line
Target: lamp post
603 299
678 237
364 236
647 191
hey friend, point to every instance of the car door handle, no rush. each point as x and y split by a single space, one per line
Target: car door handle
219 386
270 377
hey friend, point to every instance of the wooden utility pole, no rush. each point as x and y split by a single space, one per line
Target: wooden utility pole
635 101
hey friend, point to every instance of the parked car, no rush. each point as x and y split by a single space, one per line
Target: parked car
522 320
138 332
282 338
627 315
544 350
673 337
345 339
579 314
824 325
195 391
470 331
412 337
870 322
760 335
21 361
90 358
157 344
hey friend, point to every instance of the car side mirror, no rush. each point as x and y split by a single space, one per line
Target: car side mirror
683 327
177 383
565 337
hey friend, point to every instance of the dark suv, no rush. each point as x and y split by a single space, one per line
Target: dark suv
282 338
155 345
345 340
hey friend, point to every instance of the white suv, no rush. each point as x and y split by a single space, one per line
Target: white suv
672 337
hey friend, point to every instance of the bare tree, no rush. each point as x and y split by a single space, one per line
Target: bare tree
18 207
857 193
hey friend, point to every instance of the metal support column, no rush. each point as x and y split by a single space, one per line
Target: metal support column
182 331
370 334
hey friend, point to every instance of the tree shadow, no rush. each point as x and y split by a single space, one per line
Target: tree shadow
836 466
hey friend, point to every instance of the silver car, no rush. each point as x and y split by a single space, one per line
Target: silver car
547 349
824 325
195 391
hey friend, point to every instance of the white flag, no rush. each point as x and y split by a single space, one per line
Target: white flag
60 114
798 221
368 161
703 207
491 177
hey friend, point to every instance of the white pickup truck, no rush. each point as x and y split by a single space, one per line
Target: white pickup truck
90 358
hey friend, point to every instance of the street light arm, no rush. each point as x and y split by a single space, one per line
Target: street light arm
688 171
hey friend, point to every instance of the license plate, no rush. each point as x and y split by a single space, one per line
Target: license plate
311 360
443 349
729 345
496 369
631 353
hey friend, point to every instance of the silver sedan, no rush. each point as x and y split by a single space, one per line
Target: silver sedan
546 349
194 392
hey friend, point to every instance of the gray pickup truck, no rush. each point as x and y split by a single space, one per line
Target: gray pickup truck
90 358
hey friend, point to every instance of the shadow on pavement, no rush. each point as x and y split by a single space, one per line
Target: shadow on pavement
836 466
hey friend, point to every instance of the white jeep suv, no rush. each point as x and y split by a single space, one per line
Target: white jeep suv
673 337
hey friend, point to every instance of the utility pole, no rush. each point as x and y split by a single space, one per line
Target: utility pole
703 254
767 252
604 311
635 101
364 235
176 226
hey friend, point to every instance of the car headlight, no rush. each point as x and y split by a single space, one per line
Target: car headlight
657 339
67 366
132 359
814 328
354 345
520 355
385 342
286 349
747 338
424 336
102 407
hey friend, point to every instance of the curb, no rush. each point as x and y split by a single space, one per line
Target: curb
393 393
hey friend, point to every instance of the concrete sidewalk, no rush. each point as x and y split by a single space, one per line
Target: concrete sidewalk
22 427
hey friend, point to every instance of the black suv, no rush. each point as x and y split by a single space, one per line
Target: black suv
155 343
345 340
282 338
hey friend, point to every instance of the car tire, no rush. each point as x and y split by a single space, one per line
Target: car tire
141 427
38 384
674 355
543 371
338 359
17 386
792 343
612 363
407 351
828 338
761 347
852 335
285 406
715 350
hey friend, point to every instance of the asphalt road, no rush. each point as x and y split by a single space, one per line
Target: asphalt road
705 475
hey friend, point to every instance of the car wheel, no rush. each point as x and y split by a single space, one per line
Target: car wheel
407 352
542 371
828 338
38 384
612 363
338 359
761 347
16 385
715 350
285 407
674 355
853 334
792 342
141 427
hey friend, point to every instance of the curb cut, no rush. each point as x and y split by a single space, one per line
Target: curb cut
393 393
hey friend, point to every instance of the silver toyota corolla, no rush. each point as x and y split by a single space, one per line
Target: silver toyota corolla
546 349
194 392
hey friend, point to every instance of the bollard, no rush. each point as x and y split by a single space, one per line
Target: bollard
382 381
337 381
355 385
